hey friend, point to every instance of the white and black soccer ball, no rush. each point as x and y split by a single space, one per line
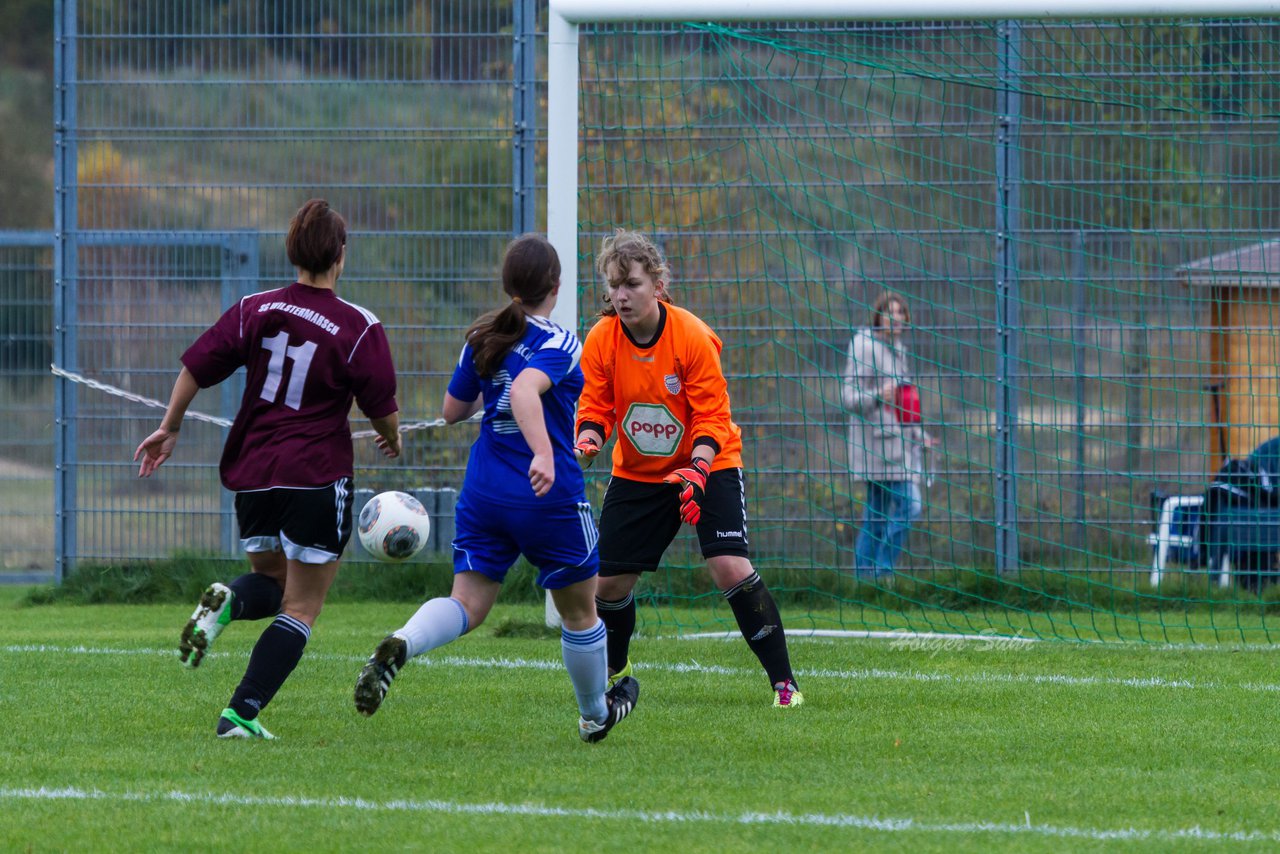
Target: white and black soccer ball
394 526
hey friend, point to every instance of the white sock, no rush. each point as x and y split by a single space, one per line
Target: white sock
437 622
587 662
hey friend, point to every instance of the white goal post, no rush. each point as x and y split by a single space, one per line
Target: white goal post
563 121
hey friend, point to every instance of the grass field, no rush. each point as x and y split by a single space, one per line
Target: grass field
927 745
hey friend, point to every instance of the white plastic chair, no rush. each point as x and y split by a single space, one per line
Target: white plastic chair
1163 538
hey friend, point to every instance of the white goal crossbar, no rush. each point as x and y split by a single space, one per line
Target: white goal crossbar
595 11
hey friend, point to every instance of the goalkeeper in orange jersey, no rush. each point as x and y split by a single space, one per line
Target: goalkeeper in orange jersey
652 373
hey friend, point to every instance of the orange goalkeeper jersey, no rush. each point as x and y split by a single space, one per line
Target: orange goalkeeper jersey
662 398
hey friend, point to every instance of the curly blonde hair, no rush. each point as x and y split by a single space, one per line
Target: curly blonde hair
619 250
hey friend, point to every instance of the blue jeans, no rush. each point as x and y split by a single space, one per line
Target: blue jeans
892 505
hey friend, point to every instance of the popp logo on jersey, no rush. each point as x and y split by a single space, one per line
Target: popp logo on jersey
652 429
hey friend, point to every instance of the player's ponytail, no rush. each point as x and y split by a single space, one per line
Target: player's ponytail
530 272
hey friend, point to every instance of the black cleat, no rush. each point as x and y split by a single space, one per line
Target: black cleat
375 677
621 699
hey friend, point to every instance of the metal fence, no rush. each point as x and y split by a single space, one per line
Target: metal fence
26 401
185 141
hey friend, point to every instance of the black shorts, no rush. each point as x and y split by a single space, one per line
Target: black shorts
311 525
639 520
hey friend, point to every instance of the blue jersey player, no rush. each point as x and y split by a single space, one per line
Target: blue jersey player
523 493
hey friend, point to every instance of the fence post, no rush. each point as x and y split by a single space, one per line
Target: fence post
524 111
239 279
65 281
1078 307
1008 211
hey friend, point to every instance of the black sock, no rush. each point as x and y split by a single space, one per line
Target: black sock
761 626
619 625
274 656
256 596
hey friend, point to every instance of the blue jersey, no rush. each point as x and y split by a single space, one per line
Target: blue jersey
498 467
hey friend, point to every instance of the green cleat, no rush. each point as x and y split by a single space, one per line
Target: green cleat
231 725
210 618
621 674
787 696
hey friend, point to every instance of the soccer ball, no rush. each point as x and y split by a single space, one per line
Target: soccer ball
394 526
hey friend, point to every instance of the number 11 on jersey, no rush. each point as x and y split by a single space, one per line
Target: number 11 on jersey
280 350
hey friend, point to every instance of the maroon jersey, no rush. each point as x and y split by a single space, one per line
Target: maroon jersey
307 354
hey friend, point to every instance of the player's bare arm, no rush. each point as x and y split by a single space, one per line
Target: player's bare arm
526 407
388 438
158 447
454 410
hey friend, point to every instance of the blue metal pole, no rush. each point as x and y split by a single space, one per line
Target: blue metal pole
239 279
524 105
1078 306
1008 223
64 285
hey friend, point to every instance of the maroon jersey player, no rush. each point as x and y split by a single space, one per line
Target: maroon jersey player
307 355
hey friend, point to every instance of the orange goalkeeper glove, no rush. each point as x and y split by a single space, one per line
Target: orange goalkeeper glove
586 451
692 480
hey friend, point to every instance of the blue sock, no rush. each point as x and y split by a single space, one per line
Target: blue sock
437 622
584 658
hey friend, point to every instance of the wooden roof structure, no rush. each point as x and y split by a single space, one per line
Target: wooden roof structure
1256 266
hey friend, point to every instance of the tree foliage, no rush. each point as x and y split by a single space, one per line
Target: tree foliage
28 35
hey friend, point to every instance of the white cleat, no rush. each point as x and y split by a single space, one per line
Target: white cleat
206 623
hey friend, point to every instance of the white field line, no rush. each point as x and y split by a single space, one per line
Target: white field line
992 639
857 674
781 818
863 634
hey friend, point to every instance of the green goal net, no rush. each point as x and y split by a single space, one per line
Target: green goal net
1082 218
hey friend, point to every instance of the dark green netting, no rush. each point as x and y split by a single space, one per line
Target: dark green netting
1080 216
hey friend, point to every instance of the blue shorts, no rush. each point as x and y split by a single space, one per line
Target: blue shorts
560 540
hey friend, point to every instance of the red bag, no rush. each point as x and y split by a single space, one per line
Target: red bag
906 404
